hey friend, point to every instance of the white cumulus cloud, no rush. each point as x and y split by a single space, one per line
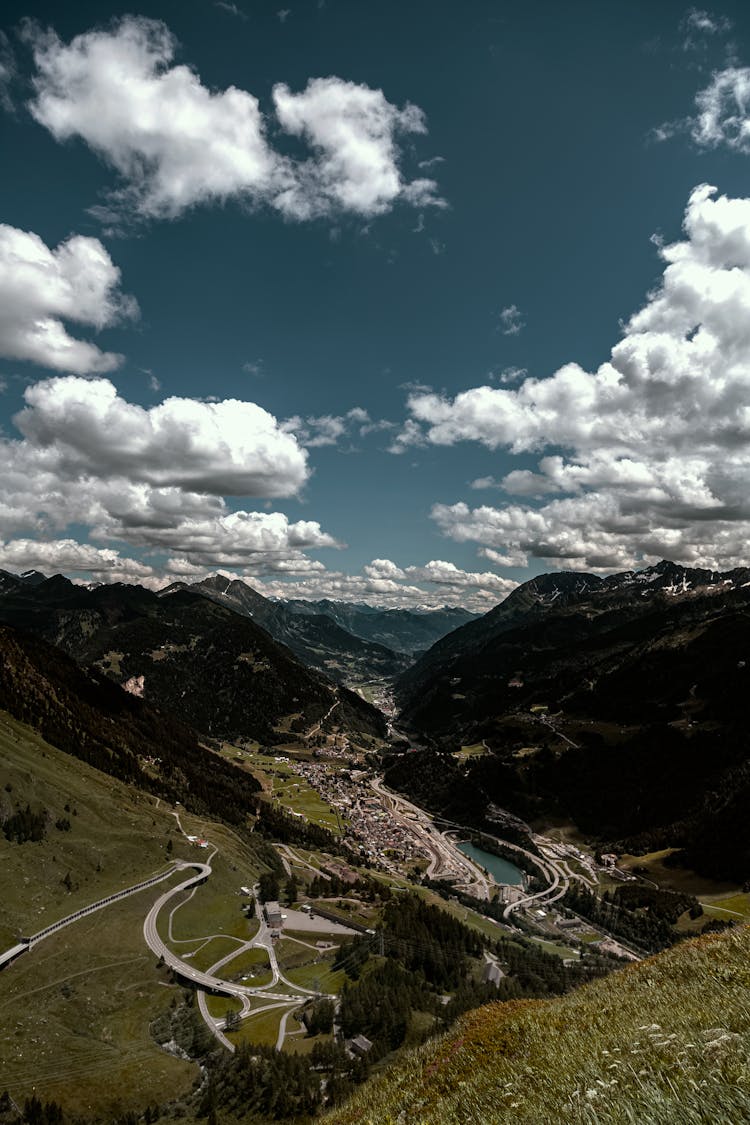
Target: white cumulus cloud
352 131
656 442
176 143
229 447
72 557
497 559
228 539
384 583
699 25
329 429
511 320
157 479
441 573
723 111
42 288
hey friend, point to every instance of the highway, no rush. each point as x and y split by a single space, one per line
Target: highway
550 867
558 885
27 943
278 1000
547 862
209 982
214 1025
153 940
101 903
445 859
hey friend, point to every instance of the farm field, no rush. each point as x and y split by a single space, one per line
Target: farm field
475 750
262 1028
281 782
737 906
678 878
250 966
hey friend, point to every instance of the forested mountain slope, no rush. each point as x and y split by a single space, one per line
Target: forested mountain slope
558 617
85 714
315 639
213 667
618 703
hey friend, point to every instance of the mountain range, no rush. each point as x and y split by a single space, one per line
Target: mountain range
316 639
563 636
614 703
233 663
617 701
409 631
187 654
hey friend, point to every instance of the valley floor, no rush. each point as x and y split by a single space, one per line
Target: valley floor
83 1013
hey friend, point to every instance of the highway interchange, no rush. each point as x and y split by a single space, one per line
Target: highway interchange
445 861
209 982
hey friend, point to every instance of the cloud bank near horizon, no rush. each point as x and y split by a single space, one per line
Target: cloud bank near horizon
156 480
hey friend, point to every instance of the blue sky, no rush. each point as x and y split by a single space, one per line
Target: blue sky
470 196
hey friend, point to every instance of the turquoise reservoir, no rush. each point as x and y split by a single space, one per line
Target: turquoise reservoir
501 870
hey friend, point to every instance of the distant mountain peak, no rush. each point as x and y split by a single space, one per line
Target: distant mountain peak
33 577
240 593
172 588
218 582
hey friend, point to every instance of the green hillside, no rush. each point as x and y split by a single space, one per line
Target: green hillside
665 1041
75 1012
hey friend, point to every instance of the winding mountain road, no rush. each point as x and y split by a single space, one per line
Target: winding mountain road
27 943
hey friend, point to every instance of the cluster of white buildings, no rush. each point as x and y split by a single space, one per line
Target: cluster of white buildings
380 835
362 813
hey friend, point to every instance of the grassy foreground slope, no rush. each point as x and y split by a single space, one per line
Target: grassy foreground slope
664 1041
